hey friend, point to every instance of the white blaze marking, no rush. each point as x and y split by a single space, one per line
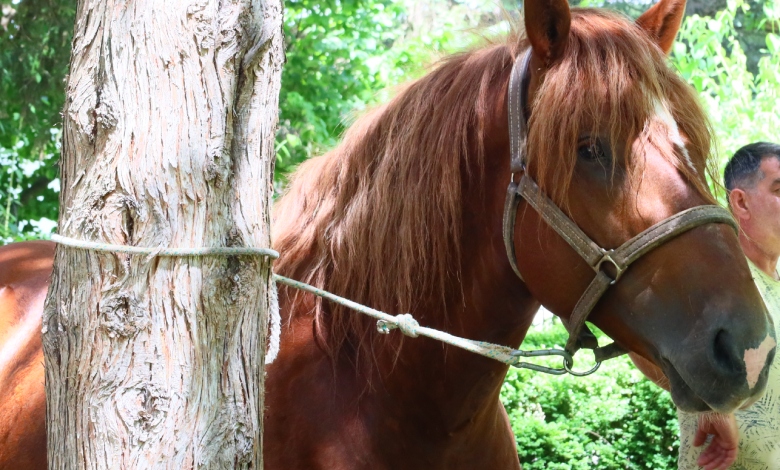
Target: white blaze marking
756 358
663 115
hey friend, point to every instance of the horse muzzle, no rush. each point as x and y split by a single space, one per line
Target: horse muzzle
726 375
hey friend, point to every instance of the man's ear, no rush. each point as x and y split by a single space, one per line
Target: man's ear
739 203
662 22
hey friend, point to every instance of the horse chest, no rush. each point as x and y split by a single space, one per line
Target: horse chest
321 418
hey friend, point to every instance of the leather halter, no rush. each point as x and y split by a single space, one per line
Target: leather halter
597 257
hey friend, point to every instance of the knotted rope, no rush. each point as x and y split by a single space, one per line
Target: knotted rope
404 322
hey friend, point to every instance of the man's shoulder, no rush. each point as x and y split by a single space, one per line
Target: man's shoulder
769 289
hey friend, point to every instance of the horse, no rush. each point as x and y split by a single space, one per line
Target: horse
25 270
406 214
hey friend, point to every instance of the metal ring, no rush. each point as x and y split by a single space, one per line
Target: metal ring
521 170
383 327
568 363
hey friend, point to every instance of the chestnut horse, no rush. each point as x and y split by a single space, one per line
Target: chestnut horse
406 216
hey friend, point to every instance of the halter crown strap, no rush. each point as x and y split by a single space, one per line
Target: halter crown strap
518 126
518 132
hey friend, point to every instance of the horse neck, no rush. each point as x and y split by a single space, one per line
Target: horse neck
485 301
451 384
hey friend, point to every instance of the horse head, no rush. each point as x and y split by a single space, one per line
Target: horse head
619 142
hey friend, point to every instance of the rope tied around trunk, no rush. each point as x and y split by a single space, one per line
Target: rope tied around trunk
404 322
171 252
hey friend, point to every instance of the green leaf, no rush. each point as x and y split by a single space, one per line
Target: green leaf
773 43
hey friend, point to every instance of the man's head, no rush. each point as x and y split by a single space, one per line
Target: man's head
752 179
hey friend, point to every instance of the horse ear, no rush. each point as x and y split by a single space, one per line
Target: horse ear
547 24
662 21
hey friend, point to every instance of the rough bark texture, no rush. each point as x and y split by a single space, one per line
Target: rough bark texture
168 141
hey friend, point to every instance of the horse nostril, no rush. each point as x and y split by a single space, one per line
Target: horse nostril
725 352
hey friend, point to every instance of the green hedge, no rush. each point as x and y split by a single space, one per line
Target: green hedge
613 419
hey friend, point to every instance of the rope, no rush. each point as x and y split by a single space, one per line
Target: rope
177 252
274 326
274 319
404 322
409 326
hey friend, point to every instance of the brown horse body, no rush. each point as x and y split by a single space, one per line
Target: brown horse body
25 269
406 216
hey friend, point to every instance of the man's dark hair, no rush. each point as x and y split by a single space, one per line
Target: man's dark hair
743 168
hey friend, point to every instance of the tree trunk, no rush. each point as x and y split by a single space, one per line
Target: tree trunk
168 141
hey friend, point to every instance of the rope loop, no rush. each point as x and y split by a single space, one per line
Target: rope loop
404 322
274 318
161 251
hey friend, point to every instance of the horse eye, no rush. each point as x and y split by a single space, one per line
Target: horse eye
591 151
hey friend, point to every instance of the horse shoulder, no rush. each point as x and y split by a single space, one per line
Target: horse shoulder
25 271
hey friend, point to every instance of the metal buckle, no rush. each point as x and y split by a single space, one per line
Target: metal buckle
513 173
607 257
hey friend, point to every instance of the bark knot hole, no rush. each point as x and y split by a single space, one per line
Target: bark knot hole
143 408
122 315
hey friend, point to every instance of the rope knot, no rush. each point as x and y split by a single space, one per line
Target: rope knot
404 322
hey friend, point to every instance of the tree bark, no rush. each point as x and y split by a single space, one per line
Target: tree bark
168 140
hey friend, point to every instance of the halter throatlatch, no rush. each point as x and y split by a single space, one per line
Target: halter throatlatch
609 265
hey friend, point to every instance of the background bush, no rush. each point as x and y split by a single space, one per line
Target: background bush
741 99
613 419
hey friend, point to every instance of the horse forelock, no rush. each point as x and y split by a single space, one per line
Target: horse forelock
612 78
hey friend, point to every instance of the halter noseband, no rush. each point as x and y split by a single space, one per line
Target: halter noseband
620 258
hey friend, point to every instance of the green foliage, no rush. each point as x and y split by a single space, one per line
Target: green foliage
34 52
334 65
614 419
742 105
344 56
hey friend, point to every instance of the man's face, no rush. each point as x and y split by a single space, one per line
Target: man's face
763 203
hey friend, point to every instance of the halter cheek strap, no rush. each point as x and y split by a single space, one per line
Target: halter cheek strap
518 133
594 255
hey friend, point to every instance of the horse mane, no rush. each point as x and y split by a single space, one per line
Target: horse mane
378 219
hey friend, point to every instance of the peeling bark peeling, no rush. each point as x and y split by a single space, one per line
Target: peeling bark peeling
168 140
